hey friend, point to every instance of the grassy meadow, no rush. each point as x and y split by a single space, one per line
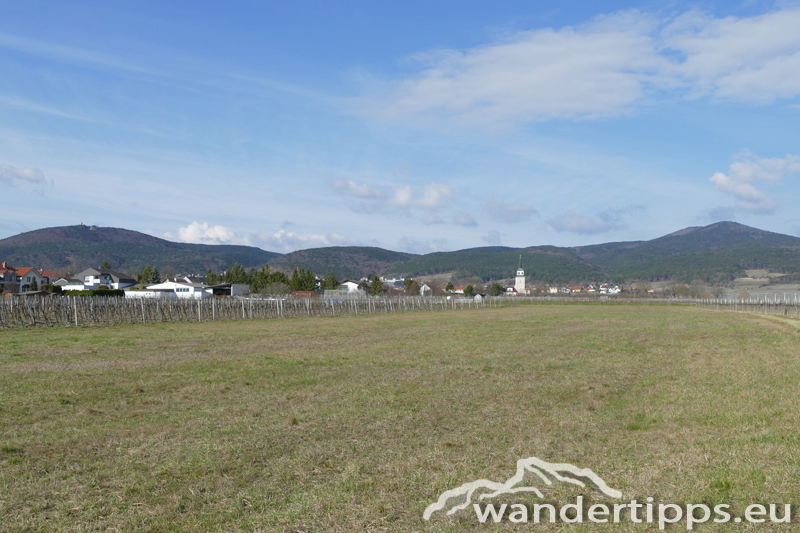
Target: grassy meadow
358 423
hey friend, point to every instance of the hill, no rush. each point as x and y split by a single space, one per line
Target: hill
84 246
714 253
352 262
548 264
718 252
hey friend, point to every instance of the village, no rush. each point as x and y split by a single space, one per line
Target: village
30 281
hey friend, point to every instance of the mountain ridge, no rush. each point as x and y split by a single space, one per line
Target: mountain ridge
715 253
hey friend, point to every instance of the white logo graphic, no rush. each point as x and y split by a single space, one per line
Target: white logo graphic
459 498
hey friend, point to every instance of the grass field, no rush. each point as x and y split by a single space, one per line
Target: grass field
358 423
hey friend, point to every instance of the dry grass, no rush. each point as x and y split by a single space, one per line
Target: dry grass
358 423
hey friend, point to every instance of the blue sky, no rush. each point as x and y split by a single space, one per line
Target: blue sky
405 125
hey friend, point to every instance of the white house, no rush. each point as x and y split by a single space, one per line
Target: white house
27 275
425 290
181 289
352 286
92 278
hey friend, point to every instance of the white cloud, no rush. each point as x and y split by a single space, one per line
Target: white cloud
280 241
9 175
492 238
351 188
590 71
742 174
412 245
462 218
602 68
755 58
608 220
286 241
501 211
434 196
204 233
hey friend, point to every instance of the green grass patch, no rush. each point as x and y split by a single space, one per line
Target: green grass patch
358 423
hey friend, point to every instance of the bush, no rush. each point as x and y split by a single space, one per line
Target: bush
96 292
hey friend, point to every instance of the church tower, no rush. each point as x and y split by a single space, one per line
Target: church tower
519 282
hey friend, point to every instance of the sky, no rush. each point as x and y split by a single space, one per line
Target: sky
414 126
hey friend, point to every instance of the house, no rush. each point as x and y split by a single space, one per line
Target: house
27 277
68 284
351 286
92 278
230 289
49 276
425 290
8 274
553 290
181 289
396 283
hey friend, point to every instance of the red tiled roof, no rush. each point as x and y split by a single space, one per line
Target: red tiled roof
48 274
24 270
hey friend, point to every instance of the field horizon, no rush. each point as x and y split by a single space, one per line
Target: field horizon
358 423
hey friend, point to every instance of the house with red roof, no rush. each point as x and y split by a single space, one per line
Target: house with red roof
27 276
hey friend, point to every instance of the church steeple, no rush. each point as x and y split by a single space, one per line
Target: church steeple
519 282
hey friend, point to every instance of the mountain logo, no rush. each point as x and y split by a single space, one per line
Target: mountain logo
530 471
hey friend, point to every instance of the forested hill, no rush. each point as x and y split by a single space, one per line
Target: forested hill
548 264
86 246
718 252
353 262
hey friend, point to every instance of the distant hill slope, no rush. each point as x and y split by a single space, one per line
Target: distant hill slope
718 252
352 262
542 263
85 246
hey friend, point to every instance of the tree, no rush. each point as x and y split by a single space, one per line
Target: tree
155 277
211 278
376 286
495 289
145 275
449 286
329 282
275 288
407 282
105 265
169 273
236 274
34 285
469 291
303 280
11 287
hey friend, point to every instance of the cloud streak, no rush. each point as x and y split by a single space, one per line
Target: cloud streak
501 211
603 68
608 220
11 175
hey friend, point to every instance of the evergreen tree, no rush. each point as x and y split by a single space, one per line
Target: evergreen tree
34 285
469 291
449 286
211 278
330 282
155 277
145 275
105 265
407 282
376 286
